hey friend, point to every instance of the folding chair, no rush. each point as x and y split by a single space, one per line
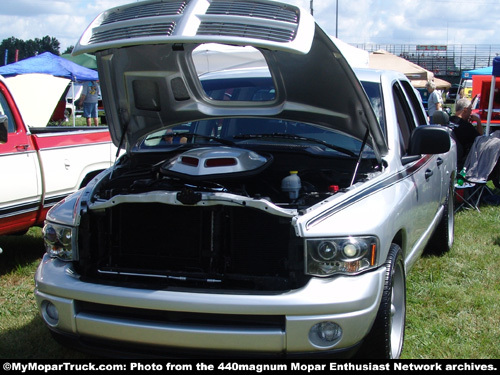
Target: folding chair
480 162
469 194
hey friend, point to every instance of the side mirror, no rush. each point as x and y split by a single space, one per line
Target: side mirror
429 139
4 128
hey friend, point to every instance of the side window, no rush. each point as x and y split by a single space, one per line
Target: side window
374 93
5 110
404 115
415 103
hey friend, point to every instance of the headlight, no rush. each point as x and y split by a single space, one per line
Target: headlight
348 255
59 241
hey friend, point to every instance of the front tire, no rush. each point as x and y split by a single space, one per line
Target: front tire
386 337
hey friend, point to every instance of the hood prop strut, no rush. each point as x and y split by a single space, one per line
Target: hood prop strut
358 162
126 119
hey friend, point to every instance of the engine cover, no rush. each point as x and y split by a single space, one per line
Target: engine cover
216 161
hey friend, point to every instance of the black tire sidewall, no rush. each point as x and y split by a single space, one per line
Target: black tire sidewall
378 343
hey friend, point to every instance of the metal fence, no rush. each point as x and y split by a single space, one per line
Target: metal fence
443 60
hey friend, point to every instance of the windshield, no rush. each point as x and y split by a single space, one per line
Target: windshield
265 132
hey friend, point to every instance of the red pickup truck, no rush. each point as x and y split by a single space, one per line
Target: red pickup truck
42 165
481 87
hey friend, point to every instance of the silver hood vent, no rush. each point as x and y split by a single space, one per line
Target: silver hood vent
149 79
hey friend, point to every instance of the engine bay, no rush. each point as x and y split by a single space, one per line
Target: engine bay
289 177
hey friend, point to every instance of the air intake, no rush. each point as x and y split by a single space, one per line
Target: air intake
131 32
258 10
261 23
247 31
145 11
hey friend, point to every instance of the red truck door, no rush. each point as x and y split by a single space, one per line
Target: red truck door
20 181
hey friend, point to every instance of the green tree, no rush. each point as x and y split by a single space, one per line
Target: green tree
69 49
27 48
48 44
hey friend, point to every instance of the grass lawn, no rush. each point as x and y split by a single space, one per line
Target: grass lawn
453 308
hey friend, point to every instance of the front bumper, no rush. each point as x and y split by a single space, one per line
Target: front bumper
143 317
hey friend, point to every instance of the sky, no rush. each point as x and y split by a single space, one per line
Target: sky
379 22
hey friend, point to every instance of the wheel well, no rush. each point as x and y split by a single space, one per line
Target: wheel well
399 240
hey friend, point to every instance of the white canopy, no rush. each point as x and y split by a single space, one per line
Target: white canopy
216 57
36 96
356 57
416 74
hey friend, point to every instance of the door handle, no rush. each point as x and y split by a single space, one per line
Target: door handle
439 161
22 147
428 173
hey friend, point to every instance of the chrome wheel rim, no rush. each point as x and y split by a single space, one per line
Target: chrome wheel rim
398 311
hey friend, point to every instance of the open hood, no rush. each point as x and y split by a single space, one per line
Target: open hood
36 96
149 79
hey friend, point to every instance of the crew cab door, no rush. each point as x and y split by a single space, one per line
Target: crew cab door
426 171
20 186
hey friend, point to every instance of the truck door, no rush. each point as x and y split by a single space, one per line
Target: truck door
425 172
419 115
20 183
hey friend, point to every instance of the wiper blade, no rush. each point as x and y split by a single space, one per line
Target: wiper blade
298 138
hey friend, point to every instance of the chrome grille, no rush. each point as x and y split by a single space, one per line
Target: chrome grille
145 11
259 10
156 246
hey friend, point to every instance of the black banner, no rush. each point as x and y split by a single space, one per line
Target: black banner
248 367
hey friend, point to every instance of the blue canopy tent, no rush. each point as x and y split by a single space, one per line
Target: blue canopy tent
48 63
487 71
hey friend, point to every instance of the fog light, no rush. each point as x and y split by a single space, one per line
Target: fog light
325 334
50 313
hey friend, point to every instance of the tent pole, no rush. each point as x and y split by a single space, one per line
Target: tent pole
73 102
495 72
490 104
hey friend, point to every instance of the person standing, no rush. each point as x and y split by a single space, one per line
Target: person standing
435 101
88 100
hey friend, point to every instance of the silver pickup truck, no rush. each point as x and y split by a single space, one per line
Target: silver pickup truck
267 206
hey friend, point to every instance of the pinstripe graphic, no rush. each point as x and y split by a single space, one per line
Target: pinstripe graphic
29 207
389 181
19 209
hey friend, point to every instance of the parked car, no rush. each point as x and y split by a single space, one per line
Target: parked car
42 165
272 211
